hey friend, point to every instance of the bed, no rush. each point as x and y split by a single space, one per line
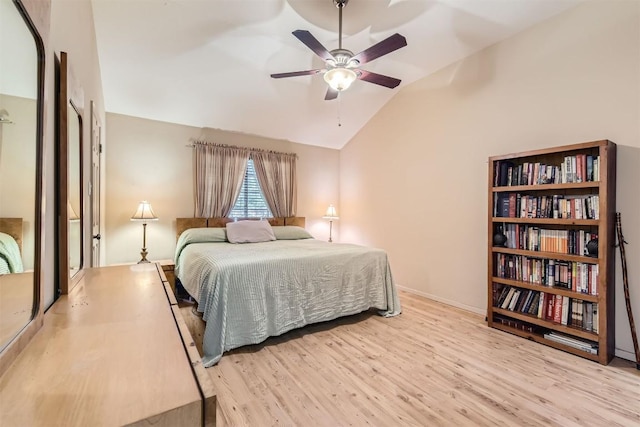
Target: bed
11 245
250 291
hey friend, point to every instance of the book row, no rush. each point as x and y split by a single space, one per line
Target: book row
578 168
516 324
588 346
531 238
516 205
575 276
551 307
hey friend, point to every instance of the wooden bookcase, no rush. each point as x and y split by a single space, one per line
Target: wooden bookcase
547 222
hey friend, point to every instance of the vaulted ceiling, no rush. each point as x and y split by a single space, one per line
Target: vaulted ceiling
207 63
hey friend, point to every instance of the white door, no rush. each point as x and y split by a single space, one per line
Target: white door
94 187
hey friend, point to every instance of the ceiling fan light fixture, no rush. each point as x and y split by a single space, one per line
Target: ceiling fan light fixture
340 78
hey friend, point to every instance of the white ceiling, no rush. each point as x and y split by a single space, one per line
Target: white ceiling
207 63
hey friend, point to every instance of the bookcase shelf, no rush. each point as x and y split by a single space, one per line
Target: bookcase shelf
544 221
538 254
545 187
549 289
540 339
560 200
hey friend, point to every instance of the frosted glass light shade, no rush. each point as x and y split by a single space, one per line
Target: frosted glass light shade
144 213
340 78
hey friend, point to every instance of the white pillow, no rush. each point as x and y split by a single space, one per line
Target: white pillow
249 232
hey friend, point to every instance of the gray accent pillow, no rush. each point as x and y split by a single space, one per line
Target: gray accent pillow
249 232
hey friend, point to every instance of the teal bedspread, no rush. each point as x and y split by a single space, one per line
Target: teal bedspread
249 292
10 258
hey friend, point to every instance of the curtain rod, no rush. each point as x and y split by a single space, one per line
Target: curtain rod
195 142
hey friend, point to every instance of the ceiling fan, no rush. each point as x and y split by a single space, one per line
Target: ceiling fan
341 65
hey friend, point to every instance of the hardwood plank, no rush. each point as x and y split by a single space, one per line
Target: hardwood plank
432 365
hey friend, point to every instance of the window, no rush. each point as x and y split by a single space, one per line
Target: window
251 202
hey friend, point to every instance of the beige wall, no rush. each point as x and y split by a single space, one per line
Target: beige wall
150 160
71 31
18 169
420 165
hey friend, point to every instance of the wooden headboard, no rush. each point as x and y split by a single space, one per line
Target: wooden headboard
12 227
186 223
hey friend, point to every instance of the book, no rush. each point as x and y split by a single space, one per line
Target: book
586 346
528 302
550 302
557 308
512 205
535 304
508 298
565 314
524 178
503 175
588 316
514 300
501 297
579 314
503 205
524 296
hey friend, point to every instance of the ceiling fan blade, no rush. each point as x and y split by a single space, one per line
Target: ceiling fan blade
296 74
331 94
379 79
387 45
312 43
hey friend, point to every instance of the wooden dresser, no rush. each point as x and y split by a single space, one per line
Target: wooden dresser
115 351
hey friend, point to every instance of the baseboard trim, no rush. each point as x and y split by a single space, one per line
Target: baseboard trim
452 303
622 354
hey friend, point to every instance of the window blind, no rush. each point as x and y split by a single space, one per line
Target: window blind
250 202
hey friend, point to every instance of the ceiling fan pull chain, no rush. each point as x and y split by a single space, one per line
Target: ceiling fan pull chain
339 105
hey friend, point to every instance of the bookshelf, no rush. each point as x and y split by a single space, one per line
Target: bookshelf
552 280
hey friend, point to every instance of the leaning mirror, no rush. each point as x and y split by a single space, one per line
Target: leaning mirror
20 152
74 196
69 192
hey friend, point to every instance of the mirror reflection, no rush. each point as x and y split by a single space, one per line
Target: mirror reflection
74 204
18 168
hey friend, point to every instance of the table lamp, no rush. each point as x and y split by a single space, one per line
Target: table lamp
331 215
144 214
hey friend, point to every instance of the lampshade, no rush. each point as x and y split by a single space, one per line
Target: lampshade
144 213
340 78
71 214
331 213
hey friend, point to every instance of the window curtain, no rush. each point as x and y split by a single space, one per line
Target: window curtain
219 173
276 173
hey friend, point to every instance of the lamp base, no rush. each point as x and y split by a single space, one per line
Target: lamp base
330 230
144 256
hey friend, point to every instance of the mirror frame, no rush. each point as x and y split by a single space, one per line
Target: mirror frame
41 12
70 101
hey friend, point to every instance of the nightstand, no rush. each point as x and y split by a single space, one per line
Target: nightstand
168 267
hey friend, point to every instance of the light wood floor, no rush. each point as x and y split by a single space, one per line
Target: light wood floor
433 365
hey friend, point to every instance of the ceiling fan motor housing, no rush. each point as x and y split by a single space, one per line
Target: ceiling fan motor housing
342 59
